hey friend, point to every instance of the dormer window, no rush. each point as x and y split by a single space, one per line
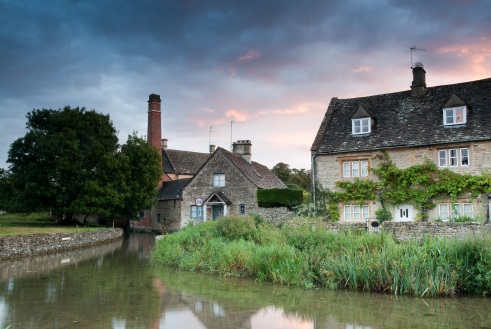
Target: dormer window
360 126
455 115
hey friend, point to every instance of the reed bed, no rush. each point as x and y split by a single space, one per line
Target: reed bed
305 254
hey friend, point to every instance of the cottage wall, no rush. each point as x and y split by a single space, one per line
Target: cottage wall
238 189
167 216
328 169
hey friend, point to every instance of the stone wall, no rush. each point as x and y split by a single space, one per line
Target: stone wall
404 231
276 215
32 244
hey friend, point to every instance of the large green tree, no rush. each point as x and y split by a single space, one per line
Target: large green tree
69 162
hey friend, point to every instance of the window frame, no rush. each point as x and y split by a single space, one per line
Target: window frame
355 168
356 213
196 212
218 180
459 209
450 116
363 124
447 160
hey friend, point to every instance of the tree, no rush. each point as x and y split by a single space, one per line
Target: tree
69 162
5 190
282 171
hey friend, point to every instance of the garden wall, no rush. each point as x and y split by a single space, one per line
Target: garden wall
404 231
276 215
32 244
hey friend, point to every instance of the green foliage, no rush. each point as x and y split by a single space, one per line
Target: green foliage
69 162
278 197
383 214
419 184
293 178
304 253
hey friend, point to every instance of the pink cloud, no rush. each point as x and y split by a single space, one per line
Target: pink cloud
362 69
249 56
236 115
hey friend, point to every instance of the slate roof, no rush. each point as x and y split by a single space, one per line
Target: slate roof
258 174
182 162
400 119
171 190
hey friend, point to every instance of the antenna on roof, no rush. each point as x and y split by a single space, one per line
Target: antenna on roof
411 49
231 128
209 137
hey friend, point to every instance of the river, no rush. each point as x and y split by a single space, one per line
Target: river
114 286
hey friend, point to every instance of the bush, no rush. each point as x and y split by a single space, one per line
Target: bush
383 214
279 197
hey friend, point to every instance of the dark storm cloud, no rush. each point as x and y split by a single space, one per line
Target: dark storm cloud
214 59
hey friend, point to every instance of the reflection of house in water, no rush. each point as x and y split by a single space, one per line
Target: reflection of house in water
178 306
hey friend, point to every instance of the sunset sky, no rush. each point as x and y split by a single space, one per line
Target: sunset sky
270 66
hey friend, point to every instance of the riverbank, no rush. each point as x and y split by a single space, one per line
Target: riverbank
305 254
17 246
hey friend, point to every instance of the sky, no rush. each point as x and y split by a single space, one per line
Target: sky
226 70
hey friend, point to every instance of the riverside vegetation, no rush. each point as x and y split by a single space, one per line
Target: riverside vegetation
303 253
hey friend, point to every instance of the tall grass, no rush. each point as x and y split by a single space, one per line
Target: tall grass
304 253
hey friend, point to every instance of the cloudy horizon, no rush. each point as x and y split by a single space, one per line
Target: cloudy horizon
272 67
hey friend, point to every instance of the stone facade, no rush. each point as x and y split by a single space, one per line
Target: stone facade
275 216
328 169
238 189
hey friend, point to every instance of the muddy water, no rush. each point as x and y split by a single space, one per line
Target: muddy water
113 286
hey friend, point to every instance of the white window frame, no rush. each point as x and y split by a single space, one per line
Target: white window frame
355 213
196 211
360 126
355 168
459 209
455 116
454 157
218 180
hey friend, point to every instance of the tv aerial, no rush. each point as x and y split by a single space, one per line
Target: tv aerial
411 49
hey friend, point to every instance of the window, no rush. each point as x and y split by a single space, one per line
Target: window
196 212
242 209
356 213
453 157
447 212
355 168
455 116
218 180
360 126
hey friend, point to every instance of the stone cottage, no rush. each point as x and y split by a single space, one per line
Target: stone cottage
197 187
449 125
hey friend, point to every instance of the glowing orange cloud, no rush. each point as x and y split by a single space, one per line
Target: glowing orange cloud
251 55
236 115
362 69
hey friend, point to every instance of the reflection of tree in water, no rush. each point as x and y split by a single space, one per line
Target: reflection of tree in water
323 308
93 294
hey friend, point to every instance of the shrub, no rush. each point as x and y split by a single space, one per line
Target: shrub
383 214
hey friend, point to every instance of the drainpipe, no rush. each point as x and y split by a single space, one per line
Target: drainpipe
312 169
489 208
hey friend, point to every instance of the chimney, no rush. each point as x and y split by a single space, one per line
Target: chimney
418 87
154 136
243 148
164 143
212 148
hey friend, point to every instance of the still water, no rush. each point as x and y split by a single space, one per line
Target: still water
113 286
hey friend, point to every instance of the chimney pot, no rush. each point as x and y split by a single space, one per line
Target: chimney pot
164 143
243 148
212 148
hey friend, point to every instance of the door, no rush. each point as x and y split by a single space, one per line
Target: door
217 211
404 213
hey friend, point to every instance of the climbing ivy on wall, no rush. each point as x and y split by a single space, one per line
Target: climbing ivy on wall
419 184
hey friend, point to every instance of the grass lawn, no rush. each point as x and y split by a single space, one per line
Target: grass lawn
35 223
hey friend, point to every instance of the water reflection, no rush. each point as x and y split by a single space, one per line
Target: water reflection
113 286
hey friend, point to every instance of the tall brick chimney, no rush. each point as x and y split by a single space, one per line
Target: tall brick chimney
243 148
154 135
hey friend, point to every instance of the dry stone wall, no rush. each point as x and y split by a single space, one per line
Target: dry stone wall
32 244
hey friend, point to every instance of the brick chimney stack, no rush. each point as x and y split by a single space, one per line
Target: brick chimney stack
418 87
243 148
154 136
